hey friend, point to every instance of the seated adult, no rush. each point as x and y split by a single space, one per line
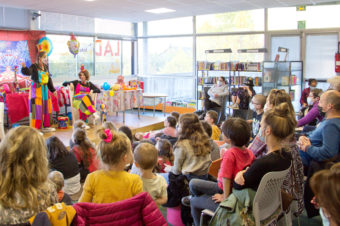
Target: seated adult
313 114
334 83
216 94
305 92
82 90
324 143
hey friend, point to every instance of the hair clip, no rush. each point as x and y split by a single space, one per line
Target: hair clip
82 68
109 135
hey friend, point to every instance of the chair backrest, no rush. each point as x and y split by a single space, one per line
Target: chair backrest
268 195
214 167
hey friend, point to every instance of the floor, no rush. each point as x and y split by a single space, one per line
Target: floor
145 123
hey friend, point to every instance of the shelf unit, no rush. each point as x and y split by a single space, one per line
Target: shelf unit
235 74
285 75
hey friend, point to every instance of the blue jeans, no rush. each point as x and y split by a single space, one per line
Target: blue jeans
305 158
202 191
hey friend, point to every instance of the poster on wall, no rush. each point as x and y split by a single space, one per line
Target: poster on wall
108 57
12 54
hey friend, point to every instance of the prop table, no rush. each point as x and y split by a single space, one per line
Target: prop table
154 96
121 101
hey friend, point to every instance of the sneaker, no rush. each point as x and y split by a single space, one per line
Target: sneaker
186 200
233 106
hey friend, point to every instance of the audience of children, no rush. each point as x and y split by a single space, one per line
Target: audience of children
257 106
85 153
146 158
112 183
58 179
165 156
211 117
24 187
312 114
64 161
305 92
215 150
192 150
208 194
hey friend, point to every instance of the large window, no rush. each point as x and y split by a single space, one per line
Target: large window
127 57
320 50
170 26
103 26
234 42
63 65
292 43
252 20
108 59
165 55
315 16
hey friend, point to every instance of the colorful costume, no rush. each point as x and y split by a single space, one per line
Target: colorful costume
40 102
81 99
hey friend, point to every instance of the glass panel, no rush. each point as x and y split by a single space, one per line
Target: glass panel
103 26
234 42
320 50
108 59
322 16
140 29
165 55
85 55
62 64
171 26
251 20
292 43
127 51
176 87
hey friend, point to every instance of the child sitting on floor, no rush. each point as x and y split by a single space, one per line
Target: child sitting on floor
77 124
146 157
211 117
112 183
169 130
165 156
208 194
85 153
58 179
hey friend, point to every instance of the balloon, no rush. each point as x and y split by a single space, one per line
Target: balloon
106 86
112 93
73 45
45 44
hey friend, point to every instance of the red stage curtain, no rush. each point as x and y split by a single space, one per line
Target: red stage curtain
32 38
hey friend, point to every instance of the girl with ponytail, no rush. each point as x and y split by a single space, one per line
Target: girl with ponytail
112 183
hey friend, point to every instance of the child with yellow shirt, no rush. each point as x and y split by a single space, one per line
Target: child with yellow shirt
112 183
211 117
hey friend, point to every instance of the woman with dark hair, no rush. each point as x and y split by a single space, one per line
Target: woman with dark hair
192 150
83 90
40 102
85 153
60 159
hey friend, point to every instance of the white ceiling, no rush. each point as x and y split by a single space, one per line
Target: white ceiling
133 10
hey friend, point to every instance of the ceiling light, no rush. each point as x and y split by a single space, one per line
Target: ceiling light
89 0
160 10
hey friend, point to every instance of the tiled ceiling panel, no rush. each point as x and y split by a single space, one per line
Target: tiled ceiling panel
134 10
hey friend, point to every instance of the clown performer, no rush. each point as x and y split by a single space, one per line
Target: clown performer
39 101
83 90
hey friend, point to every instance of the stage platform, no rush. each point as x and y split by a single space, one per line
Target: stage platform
144 124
